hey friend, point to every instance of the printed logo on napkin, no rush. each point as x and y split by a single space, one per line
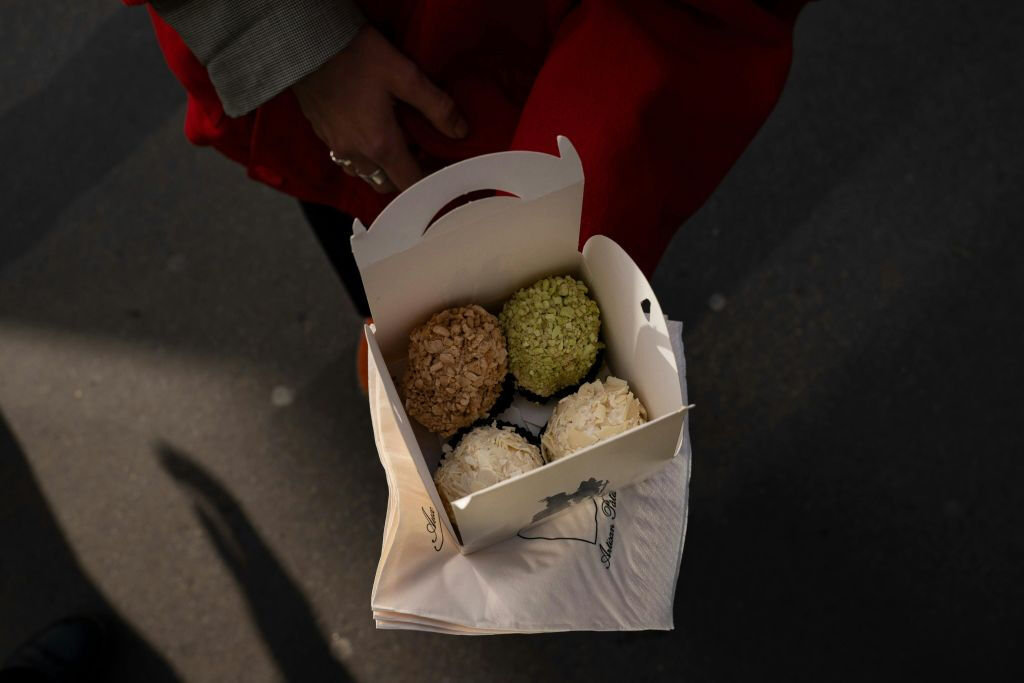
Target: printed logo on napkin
560 501
597 530
435 530
608 506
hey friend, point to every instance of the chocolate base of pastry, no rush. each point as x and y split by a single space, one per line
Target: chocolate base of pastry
505 398
525 433
572 388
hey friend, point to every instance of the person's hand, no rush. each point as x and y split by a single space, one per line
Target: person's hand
350 103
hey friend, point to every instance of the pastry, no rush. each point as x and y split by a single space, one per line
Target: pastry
552 331
597 411
483 457
457 364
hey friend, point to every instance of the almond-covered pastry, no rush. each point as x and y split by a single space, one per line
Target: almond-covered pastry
598 411
485 456
457 364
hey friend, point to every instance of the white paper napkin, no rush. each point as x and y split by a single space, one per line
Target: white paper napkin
611 565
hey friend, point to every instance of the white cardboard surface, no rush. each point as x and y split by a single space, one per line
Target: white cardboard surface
610 564
481 253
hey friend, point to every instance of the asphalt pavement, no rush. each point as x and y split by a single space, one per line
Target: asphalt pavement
183 444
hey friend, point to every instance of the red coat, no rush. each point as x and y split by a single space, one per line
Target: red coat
659 99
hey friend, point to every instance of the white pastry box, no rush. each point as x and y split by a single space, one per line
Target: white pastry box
482 252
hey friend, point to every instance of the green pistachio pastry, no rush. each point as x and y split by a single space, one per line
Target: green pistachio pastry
551 329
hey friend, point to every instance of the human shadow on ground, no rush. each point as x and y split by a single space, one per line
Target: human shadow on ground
41 580
282 613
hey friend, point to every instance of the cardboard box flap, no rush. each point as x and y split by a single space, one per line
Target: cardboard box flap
527 175
510 506
638 342
405 428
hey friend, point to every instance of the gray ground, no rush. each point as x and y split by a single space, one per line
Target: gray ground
856 493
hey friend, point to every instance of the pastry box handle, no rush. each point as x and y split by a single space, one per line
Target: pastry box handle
527 175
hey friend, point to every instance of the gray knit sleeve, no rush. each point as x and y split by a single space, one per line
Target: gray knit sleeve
254 49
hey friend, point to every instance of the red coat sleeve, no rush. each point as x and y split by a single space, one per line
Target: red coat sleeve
659 99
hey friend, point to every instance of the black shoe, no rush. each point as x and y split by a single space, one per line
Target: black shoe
74 649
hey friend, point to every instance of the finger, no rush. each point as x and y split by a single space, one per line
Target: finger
391 153
346 161
371 173
359 166
379 182
377 179
413 86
